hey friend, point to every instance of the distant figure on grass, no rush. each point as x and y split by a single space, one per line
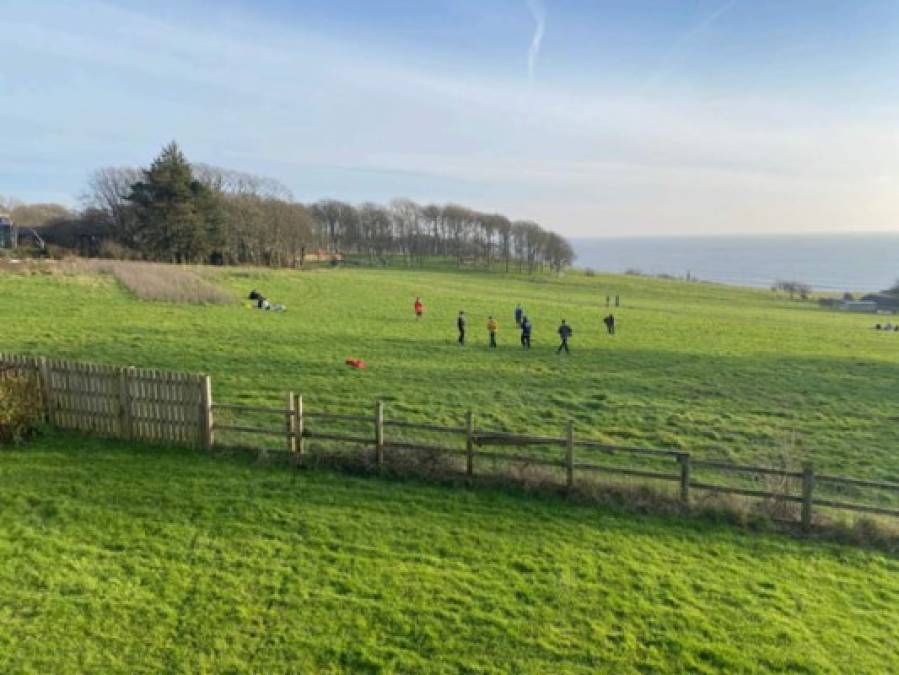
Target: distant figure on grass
263 303
610 323
564 333
519 313
608 301
419 308
460 324
617 300
259 299
492 327
525 332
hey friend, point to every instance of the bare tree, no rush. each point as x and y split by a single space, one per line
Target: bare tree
107 192
233 182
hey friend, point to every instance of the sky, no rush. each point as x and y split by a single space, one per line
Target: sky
638 117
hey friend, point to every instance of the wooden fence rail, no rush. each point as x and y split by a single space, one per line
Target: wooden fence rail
177 408
298 427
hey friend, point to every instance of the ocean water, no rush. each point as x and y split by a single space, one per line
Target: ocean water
827 262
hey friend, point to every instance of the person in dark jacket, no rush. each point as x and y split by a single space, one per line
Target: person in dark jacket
519 313
610 323
525 332
460 324
564 333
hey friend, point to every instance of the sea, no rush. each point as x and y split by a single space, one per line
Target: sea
826 262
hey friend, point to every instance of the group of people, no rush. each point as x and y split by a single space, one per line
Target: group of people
522 322
887 326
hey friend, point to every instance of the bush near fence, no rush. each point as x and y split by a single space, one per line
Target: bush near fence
21 406
178 408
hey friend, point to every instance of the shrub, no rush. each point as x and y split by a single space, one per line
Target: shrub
589 272
115 250
20 406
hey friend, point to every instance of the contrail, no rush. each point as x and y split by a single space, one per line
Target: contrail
684 41
538 11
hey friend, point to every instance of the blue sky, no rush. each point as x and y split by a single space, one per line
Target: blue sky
638 117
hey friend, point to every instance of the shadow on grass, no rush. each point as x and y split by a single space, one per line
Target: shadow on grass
436 480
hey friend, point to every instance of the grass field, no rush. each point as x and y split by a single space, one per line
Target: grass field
129 559
721 372
118 559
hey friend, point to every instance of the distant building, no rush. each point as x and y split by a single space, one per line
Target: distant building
868 306
886 301
9 234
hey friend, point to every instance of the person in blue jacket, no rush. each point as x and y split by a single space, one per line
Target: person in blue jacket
525 332
519 312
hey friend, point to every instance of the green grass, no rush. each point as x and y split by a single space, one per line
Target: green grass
721 372
117 559
130 559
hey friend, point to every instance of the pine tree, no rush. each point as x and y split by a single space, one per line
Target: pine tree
177 216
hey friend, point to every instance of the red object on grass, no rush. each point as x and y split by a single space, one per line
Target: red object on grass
355 363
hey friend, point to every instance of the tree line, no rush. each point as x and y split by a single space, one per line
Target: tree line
175 211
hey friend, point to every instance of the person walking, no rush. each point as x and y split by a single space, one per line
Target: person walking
460 324
564 333
610 323
519 312
419 308
525 333
492 327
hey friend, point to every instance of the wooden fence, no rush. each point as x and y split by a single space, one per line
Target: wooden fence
177 408
129 403
803 488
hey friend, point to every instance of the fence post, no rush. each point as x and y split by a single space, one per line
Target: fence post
379 434
569 456
292 424
469 444
46 392
683 459
301 445
808 486
207 434
126 426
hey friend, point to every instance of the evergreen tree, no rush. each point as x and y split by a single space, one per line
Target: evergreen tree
177 217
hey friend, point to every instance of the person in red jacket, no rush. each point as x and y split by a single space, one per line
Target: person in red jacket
419 308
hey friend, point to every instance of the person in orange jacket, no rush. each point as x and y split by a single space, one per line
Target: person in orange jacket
419 308
492 327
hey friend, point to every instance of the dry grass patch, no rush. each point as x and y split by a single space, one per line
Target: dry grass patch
154 281
146 280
